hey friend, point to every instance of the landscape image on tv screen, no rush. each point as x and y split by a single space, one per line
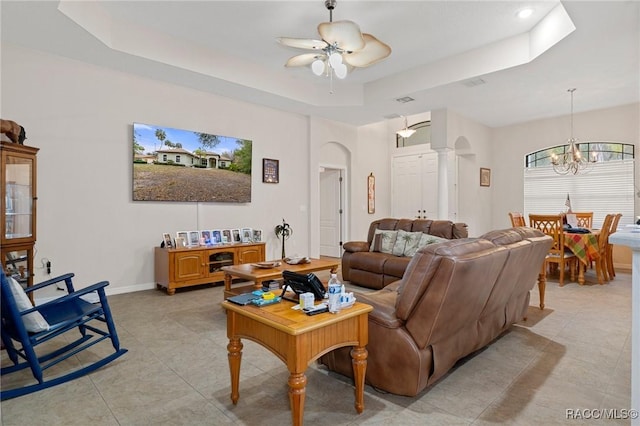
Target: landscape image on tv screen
182 165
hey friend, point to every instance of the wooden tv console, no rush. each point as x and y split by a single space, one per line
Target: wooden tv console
189 266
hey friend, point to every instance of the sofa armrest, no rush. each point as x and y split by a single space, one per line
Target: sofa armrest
356 246
384 307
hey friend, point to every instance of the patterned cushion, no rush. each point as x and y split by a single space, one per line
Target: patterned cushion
428 239
33 322
406 243
383 241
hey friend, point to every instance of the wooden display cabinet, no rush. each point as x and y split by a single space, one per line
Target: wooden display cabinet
189 266
18 210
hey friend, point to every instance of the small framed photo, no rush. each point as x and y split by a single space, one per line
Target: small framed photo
247 235
236 236
216 236
181 242
485 177
167 240
226 236
270 170
205 236
257 235
194 238
185 237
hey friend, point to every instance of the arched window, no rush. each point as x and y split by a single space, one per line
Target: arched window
606 187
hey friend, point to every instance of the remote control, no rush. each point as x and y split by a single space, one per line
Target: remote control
317 309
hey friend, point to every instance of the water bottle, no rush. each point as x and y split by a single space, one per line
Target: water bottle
335 288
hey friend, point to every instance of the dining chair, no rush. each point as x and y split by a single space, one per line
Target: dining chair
613 229
517 219
585 219
558 254
603 241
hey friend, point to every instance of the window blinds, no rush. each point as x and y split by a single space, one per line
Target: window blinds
607 187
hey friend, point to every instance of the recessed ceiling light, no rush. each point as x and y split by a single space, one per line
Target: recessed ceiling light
524 13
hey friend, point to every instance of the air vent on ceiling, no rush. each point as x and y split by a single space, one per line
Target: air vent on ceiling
474 82
405 99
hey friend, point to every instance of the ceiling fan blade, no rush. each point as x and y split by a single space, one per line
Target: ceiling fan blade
374 51
302 43
346 34
302 60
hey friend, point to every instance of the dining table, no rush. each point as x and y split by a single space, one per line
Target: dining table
585 247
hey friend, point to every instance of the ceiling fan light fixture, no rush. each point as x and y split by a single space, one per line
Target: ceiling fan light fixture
344 47
340 70
318 67
335 59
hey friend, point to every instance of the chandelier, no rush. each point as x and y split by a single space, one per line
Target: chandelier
406 132
572 160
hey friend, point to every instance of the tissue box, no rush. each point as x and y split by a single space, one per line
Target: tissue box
306 300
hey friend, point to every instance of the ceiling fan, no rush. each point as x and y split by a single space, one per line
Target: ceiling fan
342 48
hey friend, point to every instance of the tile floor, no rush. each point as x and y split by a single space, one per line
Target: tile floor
576 354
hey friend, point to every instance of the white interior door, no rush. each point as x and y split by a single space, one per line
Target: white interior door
415 186
331 212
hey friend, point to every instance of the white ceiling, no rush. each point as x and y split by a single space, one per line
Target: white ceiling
229 48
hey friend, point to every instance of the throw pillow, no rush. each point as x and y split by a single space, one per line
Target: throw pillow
33 322
428 239
406 243
383 241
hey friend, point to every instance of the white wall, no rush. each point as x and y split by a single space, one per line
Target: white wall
510 145
80 116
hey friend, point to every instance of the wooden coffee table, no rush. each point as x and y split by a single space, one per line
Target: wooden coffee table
298 339
253 273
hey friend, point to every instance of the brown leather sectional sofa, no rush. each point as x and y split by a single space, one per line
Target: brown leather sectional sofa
455 298
374 269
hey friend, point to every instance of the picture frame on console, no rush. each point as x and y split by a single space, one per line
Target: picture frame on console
184 235
206 237
226 236
257 235
166 237
194 238
236 236
246 235
181 242
216 236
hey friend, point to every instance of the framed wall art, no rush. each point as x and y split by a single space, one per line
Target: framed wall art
371 194
485 177
270 170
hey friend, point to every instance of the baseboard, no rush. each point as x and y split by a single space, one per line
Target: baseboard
111 291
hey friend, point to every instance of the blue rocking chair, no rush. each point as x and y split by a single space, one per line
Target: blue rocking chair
25 327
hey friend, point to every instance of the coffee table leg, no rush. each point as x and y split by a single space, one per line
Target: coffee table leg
359 361
297 385
228 279
235 357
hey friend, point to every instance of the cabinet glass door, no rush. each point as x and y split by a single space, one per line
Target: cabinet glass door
18 198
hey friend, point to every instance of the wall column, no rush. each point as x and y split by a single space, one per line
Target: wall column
443 182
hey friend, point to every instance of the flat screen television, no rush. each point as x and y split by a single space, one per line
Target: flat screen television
184 165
